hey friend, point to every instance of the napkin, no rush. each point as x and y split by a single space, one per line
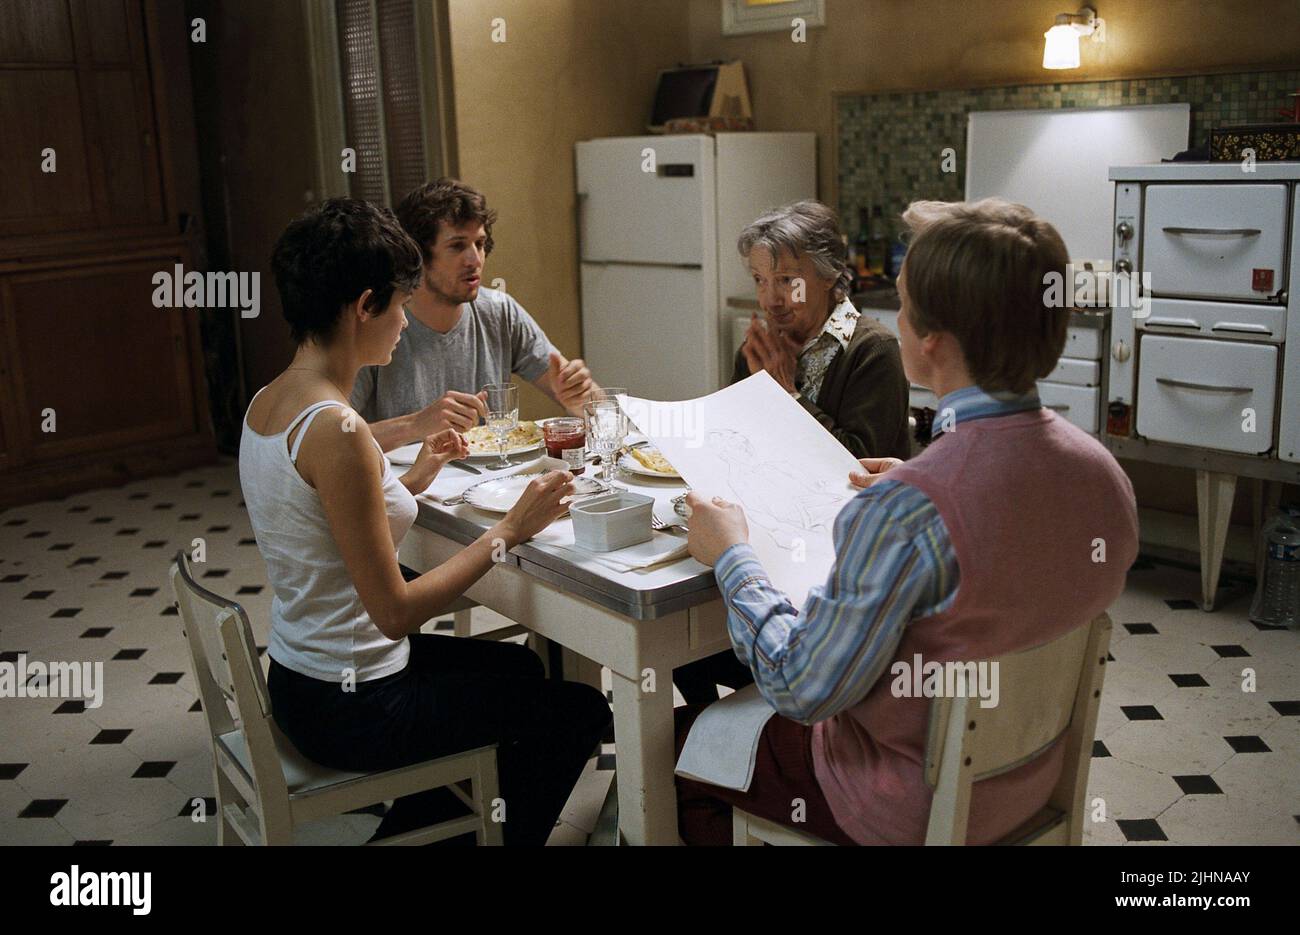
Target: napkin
662 547
722 745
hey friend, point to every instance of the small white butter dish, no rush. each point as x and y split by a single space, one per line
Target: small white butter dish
613 521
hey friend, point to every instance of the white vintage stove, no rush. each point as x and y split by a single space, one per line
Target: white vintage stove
1200 372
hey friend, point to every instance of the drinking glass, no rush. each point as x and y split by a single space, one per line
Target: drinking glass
606 430
607 392
503 417
611 394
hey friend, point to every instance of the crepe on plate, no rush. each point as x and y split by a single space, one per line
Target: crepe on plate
482 440
652 460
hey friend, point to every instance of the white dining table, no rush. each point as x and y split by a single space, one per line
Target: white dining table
640 624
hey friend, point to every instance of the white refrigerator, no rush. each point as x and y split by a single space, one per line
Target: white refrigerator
658 219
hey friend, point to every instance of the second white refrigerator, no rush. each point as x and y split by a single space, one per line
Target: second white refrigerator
658 219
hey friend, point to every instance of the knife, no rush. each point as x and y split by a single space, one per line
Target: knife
465 466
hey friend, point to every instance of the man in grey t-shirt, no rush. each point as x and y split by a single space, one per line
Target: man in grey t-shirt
459 337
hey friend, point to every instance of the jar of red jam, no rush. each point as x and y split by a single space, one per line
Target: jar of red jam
566 440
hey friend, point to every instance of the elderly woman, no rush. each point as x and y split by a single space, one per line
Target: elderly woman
843 367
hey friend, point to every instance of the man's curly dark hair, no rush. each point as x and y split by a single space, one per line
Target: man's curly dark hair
443 201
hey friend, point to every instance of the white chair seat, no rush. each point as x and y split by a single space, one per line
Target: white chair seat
301 775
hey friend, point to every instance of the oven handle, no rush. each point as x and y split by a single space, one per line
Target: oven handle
1188 385
1164 322
1242 327
1234 231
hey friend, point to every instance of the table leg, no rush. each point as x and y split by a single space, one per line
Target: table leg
1214 492
578 668
643 730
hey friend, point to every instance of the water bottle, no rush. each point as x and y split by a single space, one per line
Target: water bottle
1277 598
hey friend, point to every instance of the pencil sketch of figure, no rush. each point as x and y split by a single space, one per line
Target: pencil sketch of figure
775 496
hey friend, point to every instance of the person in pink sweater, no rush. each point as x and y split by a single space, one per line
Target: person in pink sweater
1012 528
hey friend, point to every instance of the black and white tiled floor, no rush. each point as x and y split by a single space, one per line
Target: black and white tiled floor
1183 754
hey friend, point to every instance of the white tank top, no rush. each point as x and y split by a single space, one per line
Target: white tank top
319 627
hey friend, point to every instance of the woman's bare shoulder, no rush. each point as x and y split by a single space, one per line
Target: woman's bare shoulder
338 440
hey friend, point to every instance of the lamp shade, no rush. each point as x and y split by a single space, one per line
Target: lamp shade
1061 48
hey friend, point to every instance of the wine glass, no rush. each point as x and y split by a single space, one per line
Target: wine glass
606 429
503 417
607 392
610 393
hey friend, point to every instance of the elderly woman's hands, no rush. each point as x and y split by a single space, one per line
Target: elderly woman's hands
772 351
716 525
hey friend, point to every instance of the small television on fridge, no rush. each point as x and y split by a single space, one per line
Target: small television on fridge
700 97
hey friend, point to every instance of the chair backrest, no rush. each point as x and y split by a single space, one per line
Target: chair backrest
226 668
1046 694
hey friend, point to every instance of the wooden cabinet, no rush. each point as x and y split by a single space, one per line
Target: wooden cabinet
97 386
100 387
75 86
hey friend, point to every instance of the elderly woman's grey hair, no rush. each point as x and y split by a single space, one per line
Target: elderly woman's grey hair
804 228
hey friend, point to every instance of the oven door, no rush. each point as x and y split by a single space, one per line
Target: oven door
1207 393
1216 241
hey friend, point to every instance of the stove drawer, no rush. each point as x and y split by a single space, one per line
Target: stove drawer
1077 404
1250 321
1082 342
1197 392
1216 241
1076 372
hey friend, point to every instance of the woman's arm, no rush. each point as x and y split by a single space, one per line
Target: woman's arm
345 469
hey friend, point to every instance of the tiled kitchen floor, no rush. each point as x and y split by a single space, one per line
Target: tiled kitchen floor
1183 754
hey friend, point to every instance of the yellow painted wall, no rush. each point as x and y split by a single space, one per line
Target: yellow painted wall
568 70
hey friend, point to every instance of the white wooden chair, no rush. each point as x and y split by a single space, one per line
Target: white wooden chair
1047 693
265 787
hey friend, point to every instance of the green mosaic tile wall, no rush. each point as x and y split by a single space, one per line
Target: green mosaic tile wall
890 144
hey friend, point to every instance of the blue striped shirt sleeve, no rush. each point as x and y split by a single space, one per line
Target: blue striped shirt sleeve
894 562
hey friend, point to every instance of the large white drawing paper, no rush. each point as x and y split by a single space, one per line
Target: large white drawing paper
753 444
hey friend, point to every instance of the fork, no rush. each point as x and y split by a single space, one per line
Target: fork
665 526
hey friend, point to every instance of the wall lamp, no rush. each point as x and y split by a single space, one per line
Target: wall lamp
1061 45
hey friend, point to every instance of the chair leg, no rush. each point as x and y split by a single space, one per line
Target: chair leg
485 794
461 622
740 831
227 836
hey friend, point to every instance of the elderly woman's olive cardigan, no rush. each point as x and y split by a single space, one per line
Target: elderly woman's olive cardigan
863 397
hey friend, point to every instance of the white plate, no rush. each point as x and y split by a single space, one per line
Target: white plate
404 455
499 494
628 463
